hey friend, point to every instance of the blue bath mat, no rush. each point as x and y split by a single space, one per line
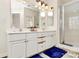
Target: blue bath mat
55 52
36 56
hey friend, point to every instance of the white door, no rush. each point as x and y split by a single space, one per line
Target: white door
17 50
31 48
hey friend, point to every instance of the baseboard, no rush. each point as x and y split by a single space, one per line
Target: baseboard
68 48
5 57
3 54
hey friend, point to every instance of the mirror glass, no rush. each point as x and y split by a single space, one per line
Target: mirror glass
31 18
50 18
25 14
46 19
16 20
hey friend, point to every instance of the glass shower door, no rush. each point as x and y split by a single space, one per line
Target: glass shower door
71 23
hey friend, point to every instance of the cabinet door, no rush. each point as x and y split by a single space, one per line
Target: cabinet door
31 48
49 42
41 42
50 39
53 39
16 37
17 50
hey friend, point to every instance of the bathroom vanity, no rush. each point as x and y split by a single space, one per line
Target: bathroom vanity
26 44
32 30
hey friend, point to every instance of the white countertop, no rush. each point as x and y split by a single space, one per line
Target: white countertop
28 31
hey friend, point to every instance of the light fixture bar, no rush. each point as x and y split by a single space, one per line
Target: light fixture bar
42 4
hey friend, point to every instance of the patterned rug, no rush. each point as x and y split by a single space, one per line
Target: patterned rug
54 52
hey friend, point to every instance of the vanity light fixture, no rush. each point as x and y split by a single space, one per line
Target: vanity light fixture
50 12
46 6
39 3
38 0
42 5
51 7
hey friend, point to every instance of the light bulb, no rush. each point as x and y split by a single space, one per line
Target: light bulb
39 7
50 13
39 3
46 7
42 14
43 5
36 6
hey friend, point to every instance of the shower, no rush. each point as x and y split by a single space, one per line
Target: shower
69 23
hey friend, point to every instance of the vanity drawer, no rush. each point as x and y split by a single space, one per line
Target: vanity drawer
49 33
16 37
41 46
33 36
41 38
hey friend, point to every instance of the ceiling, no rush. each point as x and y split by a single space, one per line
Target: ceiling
50 2
33 1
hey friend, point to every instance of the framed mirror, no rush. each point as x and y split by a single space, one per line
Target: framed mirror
25 15
50 18
16 20
31 18
47 19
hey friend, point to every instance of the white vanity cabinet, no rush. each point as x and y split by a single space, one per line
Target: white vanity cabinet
17 50
16 46
16 37
46 41
31 48
29 43
41 43
50 39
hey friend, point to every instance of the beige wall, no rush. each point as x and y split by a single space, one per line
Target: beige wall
4 21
